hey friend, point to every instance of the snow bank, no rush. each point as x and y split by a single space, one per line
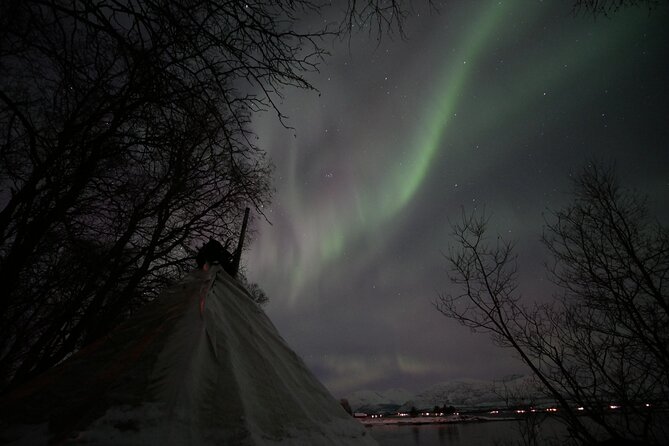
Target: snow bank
201 365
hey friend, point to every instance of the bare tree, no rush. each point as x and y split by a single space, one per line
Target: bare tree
125 143
603 341
127 193
608 7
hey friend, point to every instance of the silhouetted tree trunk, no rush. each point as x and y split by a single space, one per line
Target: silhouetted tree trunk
604 340
125 143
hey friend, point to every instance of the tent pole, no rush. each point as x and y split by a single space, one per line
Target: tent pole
240 244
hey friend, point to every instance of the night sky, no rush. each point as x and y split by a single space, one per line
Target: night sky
486 104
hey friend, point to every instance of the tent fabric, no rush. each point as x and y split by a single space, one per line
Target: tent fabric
200 365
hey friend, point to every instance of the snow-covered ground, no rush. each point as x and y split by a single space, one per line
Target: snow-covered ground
201 365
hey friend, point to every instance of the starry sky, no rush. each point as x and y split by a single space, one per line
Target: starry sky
486 104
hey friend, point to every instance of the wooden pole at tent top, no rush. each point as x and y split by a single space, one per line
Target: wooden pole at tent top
238 252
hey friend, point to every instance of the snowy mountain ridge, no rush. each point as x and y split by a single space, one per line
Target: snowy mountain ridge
462 394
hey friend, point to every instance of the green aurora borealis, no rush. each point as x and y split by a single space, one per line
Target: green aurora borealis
488 104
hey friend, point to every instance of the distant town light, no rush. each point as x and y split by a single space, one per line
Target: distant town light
580 408
613 407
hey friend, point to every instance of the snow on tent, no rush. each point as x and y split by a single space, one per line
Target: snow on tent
200 365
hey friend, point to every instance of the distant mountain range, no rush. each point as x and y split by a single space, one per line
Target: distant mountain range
462 394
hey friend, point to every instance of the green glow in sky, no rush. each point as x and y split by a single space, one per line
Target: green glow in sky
375 205
364 206
408 178
489 104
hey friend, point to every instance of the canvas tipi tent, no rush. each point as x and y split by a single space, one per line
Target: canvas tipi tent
202 364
